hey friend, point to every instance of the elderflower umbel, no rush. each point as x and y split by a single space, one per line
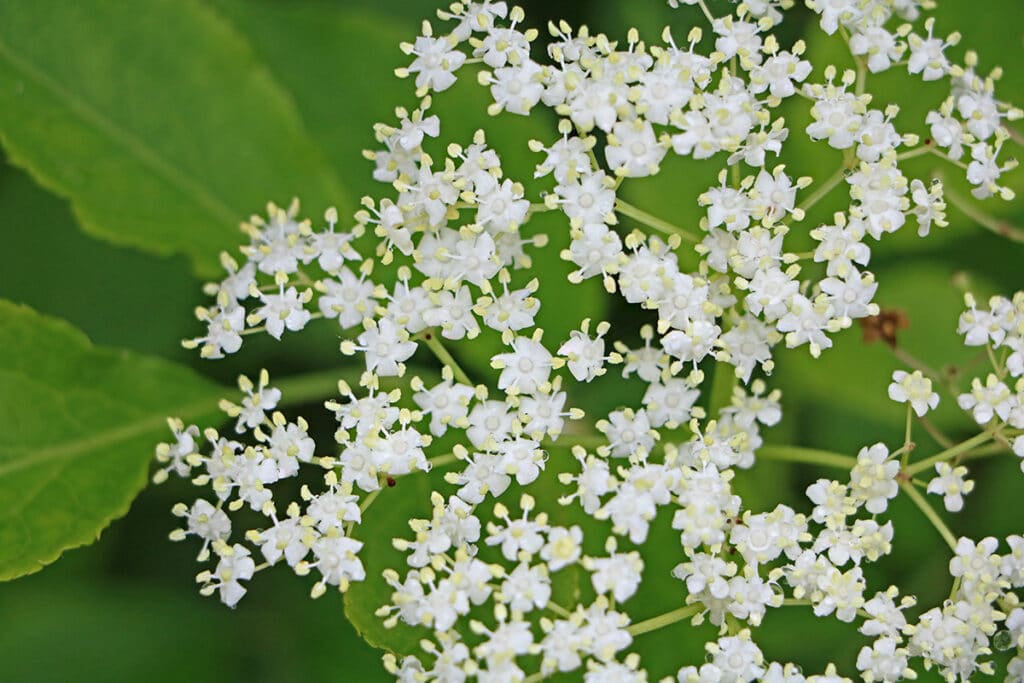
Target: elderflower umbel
442 262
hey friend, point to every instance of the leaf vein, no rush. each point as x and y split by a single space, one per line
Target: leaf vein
134 146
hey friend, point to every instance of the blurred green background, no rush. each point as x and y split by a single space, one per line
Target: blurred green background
126 609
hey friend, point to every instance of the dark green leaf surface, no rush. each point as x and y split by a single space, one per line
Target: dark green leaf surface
80 424
386 519
154 120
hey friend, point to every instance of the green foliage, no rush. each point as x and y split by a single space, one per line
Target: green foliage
388 518
79 428
169 164
166 123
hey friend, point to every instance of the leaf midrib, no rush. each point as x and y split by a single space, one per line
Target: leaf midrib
107 437
135 147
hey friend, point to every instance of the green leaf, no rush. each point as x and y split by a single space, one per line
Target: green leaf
386 519
154 120
314 49
80 423
69 275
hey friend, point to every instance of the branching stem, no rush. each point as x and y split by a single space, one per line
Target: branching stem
663 620
434 344
930 513
637 214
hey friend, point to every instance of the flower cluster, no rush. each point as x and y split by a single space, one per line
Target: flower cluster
445 257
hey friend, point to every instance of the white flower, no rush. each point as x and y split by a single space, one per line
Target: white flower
527 588
884 661
606 631
807 322
436 62
337 559
585 356
842 594
181 456
517 536
235 566
951 485
837 118
386 346
453 312
563 547
762 538
447 403
207 522
926 54
588 200
223 331
489 422
887 617
526 368
628 432
947 132
778 74
881 47
289 444
929 206
517 89
286 309
836 12
501 46
989 400
288 539
633 149
737 657
913 388
873 478
596 249
851 297
977 566
618 574
669 404
255 404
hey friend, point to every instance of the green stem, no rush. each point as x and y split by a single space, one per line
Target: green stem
263 328
916 152
567 441
442 460
997 367
559 610
368 501
663 620
906 438
707 12
823 189
930 513
936 433
438 349
940 378
997 225
637 214
948 454
985 451
796 602
723 382
810 456
305 388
